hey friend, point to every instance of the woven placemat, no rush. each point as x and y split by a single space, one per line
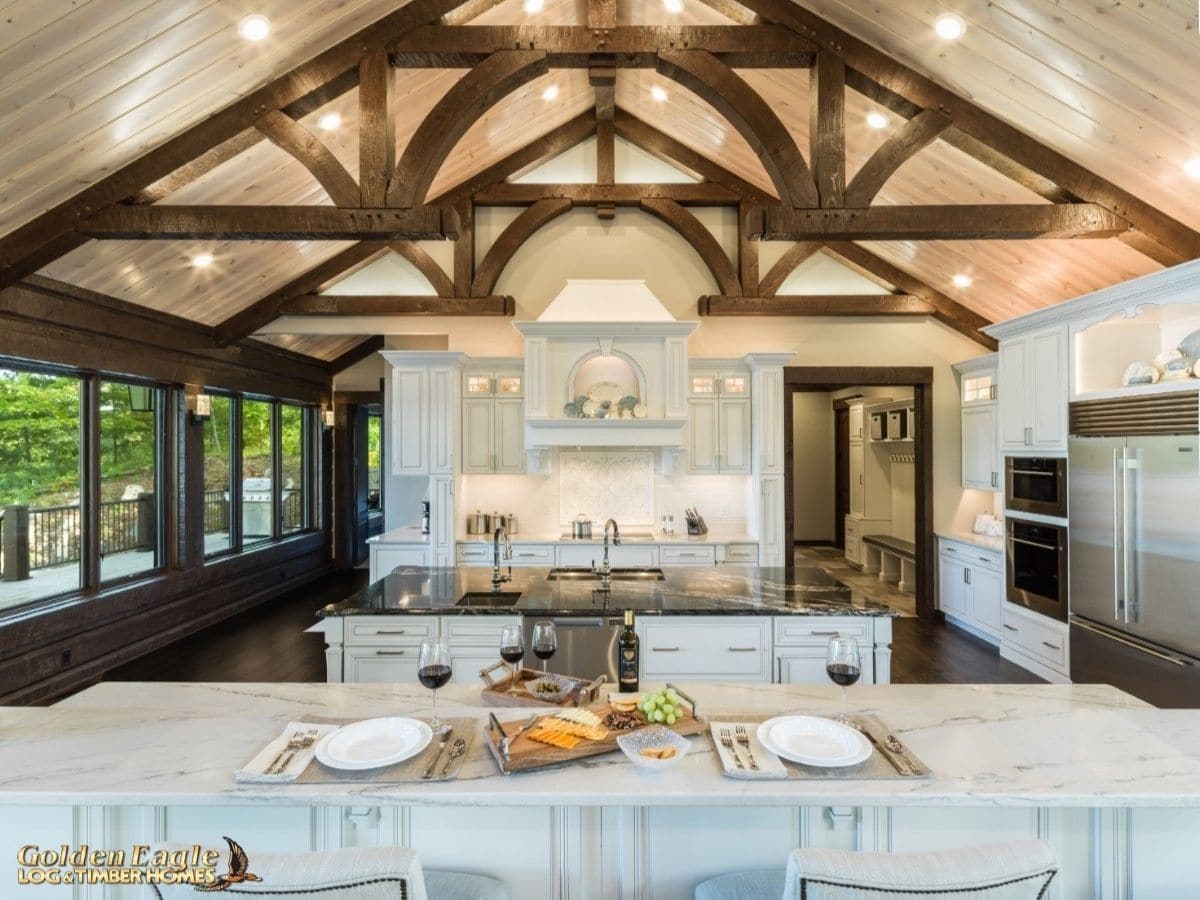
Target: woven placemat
410 770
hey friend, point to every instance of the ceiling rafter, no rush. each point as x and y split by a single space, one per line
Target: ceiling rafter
817 305
518 231
702 240
304 146
395 305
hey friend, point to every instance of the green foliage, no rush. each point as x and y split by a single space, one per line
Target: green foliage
128 440
39 438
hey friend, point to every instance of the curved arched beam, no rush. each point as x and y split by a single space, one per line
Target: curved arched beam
721 87
474 94
289 135
702 242
519 230
916 134
785 266
425 264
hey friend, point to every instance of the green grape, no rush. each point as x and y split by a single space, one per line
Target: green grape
658 715
671 718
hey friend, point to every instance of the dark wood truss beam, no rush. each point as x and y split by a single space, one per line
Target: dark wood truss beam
393 305
510 240
827 128
733 11
723 89
304 146
601 15
368 346
473 95
701 239
573 46
906 142
267 223
427 266
624 194
817 305
747 252
941 223
785 266
376 128
602 75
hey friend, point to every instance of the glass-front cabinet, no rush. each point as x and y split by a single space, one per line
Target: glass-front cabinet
718 432
493 417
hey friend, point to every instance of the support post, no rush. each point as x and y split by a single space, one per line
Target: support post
15 530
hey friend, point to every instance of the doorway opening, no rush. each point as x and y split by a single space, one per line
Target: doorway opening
858 478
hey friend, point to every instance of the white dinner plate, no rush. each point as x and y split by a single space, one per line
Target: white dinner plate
814 741
373 743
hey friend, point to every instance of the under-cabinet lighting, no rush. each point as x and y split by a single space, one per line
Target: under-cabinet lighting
1192 168
254 27
877 120
533 6
949 27
658 93
550 93
202 260
673 6
961 281
331 121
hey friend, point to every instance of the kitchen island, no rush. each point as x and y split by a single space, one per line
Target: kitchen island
1113 784
706 623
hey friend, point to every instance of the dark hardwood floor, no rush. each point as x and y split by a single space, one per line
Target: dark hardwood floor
269 644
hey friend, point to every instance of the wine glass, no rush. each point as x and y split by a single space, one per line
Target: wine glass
434 669
512 651
545 640
843 665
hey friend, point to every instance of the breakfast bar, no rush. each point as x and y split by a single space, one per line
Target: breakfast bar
1112 783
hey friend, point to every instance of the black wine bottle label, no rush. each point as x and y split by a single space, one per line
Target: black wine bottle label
627 657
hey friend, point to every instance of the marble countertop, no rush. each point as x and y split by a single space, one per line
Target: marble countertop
406 534
1006 745
631 536
982 541
686 590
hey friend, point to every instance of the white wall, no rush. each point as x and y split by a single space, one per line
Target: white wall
813 467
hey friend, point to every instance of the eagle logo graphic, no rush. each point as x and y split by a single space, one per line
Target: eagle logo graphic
239 870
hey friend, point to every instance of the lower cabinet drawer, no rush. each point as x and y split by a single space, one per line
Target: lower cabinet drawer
474 554
818 630
622 556
464 631
741 554
1040 641
689 556
380 664
392 630
530 555
385 560
706 649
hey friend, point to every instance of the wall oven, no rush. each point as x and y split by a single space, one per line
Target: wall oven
1037 567
1036 484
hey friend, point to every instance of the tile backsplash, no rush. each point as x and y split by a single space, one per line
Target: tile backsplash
605 484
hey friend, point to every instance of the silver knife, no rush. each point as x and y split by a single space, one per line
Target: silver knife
438 753
898 763
897 746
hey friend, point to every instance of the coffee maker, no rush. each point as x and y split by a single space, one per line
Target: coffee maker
424 517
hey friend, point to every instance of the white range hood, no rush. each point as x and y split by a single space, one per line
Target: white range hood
613 342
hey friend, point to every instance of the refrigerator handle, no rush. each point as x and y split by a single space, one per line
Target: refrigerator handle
1129 541
1118 559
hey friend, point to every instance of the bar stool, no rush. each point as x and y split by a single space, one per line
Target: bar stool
1021 870
365 873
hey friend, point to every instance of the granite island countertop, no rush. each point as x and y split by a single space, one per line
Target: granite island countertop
685 590
987 745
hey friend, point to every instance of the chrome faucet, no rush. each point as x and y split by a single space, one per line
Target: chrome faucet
497 578
605 570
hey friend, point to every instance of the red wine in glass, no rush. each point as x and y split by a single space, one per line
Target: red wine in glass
843 665
545 640
512 653
434 670
434 677
843 674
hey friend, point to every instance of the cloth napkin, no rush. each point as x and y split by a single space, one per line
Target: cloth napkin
770 767
255 771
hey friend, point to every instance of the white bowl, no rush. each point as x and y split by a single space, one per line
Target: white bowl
634 742
814 741
373 743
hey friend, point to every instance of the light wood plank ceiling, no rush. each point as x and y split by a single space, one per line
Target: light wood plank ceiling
1109 85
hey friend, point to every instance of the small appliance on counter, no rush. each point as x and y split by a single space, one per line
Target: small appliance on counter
695 522
424 517
988 525
479 523
510 523
581 528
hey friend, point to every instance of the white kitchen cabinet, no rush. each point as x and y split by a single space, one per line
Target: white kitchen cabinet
423 397
410 420
381 664
800 645
767 414
386 558
1033 385
478 430
443 418
772 547
856 528
493 413
702 431
800 665
971 588
1038 643
620 556
734 436
441 519
980 454
737 554
510 436
870 474
719 435
688 555
857 422
482 554
705 648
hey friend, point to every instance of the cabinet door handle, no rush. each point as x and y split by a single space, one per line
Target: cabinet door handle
779 670
743 649
665 649
1051 646
966 576
826 633
397 631
1028 435
995 479
1011 628
389 652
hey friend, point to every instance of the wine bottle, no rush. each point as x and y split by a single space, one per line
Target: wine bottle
627 657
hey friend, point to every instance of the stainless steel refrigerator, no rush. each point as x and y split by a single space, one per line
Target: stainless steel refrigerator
1134 547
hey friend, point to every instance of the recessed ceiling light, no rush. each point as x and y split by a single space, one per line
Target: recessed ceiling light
1192 167
949 27
961 281
673 6
658 93
877 120
550 93
331 121
533 6
254 27
202 260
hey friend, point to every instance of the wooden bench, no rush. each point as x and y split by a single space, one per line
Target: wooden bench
893 559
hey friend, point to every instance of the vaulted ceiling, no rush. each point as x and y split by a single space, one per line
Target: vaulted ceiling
88 87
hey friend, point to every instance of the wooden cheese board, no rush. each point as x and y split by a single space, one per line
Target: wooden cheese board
514 751
495 691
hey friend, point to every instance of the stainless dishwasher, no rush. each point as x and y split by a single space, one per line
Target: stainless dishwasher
587 645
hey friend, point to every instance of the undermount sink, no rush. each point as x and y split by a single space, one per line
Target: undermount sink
583 574
487 599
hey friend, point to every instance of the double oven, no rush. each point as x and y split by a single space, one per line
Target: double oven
1036 487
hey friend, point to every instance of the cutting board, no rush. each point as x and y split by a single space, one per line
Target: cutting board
525 754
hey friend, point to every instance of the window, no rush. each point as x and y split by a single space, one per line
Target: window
40 485
978 387
129 446
293 439
218 477
258 476
375 463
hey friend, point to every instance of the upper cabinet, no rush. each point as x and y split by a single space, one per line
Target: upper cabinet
718 433
423 401
978 381
493 417
1033 390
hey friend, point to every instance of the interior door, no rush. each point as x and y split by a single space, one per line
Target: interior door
1163 541
1094 504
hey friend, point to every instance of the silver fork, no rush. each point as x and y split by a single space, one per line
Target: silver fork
306 740
292 744
744 740
727 743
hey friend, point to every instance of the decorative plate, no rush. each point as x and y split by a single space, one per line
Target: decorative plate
1141 373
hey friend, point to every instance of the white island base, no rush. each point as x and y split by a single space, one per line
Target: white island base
1112 784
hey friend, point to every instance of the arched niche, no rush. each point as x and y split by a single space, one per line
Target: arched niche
607 365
